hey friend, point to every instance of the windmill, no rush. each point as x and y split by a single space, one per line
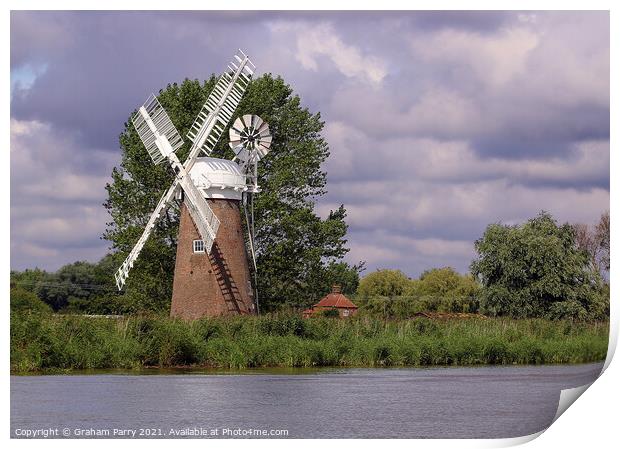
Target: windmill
211 269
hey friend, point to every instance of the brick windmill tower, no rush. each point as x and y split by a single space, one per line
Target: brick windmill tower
219 283
212 275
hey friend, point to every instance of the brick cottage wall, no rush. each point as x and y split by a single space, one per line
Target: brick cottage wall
215 284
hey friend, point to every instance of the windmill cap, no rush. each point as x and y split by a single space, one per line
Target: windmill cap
218 178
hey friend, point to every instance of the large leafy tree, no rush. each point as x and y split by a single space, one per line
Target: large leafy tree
78 283
446 282
536 269
384 282
298 253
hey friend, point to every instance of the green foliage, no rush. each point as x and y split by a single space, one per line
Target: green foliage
80 287
562 310
390 294
330 313
535 270
383 283
66 342
403 307
298 253
29 279
60 342
283 324
446 282
24 301
340 273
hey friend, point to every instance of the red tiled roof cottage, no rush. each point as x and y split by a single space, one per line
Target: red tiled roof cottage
334 300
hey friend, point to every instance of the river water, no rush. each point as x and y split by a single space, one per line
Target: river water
471 402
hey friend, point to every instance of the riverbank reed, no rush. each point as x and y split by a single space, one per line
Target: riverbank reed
48 342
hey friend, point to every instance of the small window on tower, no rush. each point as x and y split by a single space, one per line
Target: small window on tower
199 246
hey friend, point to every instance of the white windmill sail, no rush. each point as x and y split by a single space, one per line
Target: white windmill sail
219 108
151 133
205 220
152 116
156 132
204 134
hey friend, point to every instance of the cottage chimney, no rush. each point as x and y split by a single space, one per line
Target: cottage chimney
336 288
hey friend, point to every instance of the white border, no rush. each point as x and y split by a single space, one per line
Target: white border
590 422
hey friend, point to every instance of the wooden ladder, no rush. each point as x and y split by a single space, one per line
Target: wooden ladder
225 281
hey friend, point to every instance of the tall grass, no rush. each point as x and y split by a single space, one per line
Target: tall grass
56 342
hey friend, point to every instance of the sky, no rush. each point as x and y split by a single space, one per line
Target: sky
438 123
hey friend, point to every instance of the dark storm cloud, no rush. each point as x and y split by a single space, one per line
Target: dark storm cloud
100 65
113 61
442 121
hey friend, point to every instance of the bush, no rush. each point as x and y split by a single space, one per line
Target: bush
437 290
25 301
330 313
402 307
571 310
383 283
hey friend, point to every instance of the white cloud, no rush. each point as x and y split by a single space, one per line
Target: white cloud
416 225
56 205
407 150
570 66
70 186
419 207
439 111
355 154
49 165
495 58
372 252
321 40
381 249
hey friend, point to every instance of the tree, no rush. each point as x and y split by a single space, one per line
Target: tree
296 250
336 273
535 269
24 301
586 241
446 281
48 287
602 233
384 282
70 281
391 294
595 242
83 285
29 279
